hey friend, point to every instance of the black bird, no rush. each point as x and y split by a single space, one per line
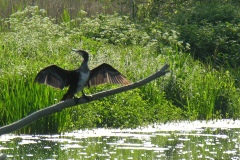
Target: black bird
81 77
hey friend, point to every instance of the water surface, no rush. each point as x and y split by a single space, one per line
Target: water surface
182 140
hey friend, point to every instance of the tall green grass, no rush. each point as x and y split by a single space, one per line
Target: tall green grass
202 91
190 91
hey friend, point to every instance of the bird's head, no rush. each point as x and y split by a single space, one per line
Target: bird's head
82 53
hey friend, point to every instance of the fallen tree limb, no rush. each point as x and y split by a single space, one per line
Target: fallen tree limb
73 102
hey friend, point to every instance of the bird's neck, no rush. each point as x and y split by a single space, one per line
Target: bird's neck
85 57
84 66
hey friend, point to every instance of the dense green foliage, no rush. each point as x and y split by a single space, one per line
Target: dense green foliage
192 89
212 30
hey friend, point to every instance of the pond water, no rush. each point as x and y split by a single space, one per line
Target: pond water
219 139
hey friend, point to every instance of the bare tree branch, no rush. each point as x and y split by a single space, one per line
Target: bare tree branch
73 102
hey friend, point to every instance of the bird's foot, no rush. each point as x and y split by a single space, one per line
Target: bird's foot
67 96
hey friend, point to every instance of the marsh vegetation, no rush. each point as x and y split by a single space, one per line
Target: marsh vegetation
201 45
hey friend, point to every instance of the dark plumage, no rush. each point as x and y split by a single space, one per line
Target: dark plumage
79 78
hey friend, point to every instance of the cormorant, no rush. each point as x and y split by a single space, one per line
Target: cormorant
81 77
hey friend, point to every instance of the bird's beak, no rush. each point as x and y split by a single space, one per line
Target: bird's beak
78 50
74 50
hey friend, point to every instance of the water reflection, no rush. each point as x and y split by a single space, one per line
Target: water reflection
183 140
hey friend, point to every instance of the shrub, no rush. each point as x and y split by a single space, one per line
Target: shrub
31 30
211 29
112 29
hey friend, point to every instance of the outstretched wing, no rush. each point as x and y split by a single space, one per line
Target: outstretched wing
105 73
54 76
